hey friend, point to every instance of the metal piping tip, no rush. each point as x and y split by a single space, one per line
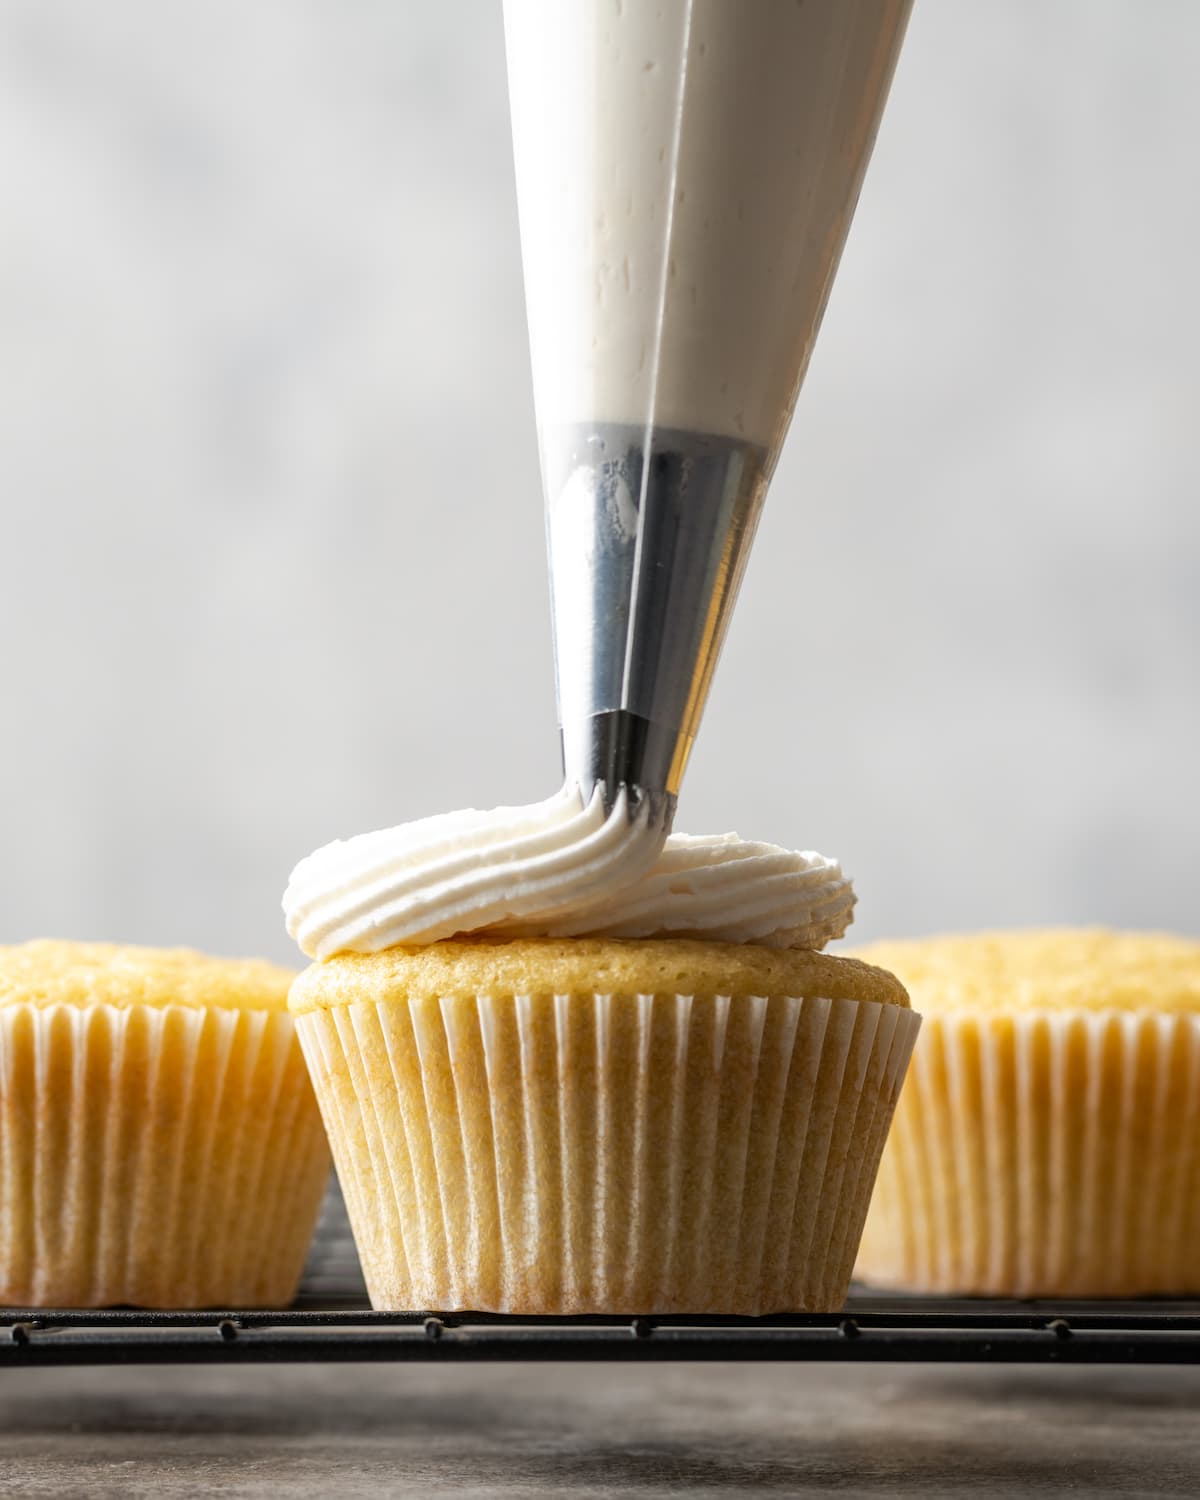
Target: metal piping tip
618 752
620 748
648 536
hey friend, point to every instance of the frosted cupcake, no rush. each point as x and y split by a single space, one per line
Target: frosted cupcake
1047 1142
635 1087
159 1140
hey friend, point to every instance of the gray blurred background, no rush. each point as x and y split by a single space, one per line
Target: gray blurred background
273 551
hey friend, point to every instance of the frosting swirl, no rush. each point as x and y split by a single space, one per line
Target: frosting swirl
560 868
469 871
725 888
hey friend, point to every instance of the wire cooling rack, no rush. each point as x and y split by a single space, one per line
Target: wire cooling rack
332 1321
870 1328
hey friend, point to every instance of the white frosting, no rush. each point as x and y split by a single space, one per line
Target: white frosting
728 889
468 871
559 868
686 174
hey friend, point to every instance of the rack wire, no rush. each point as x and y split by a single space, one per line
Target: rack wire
332 1321
870 1329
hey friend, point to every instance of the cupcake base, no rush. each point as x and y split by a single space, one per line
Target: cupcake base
581 1153
161 1156
1044 1154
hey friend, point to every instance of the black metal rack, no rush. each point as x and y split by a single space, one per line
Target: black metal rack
332 1321
871 1328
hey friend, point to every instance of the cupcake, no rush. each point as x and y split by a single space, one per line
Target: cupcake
1047 1142
159 1140
653 1101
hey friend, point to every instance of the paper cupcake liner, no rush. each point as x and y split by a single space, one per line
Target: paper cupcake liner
1044 1155
591 1153
165 1156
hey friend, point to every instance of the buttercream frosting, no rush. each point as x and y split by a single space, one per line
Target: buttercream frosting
724 888
568 866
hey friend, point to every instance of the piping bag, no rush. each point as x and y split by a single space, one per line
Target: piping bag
687 171
686 175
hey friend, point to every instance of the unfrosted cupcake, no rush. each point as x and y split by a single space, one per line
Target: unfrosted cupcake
159 1140
1047 1142
611 1116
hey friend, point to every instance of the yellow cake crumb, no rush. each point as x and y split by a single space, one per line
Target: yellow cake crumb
1055 969
611 966
52 972
1045 1144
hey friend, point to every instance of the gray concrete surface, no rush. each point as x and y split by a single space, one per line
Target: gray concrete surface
528 1432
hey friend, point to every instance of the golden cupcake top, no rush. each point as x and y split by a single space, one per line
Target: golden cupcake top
51 972
1049 969
610 966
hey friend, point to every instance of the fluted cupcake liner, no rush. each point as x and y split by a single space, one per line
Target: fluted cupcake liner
586 1153
164 1156
1044 1154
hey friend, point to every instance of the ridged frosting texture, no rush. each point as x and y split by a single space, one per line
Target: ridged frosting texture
560 868
726 889
469 871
